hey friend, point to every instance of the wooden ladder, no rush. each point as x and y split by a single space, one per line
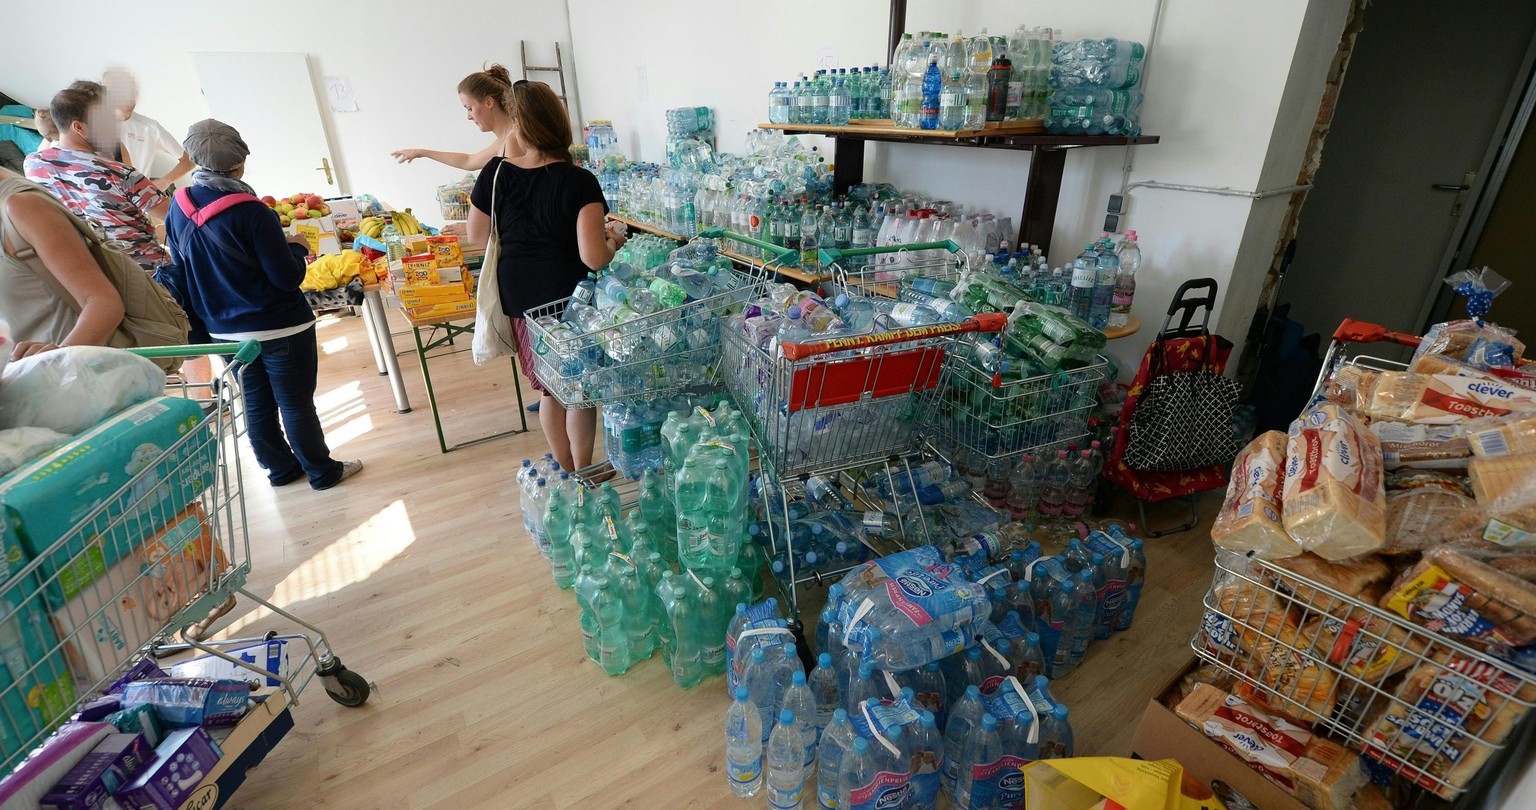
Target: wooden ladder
558 67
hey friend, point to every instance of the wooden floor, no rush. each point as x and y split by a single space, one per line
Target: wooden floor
420 573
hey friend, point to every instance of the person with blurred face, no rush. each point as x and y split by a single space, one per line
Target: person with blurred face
115 198
143 138
43 120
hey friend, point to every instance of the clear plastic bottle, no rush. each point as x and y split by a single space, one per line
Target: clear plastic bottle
1021 489
1084 275
1054 484
836 744
859 769
1056 734
1125 281
965 715
983 747
1106 281
824 688
952 109
785 763
1082 485
743 746
799 699
1087 602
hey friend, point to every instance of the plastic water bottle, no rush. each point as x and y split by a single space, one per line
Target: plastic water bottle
1058 627
785 761
1085 269
799 699
983 747
1030 661
1135 577
612 641
1087 611
835 746
828 617
975 101
932 89
824 689
895 781
839 104
1055 485
965 715
778 104
1082 485
686 625
997 484
638 625
1056 734
862 686
927 747
1021 489
743 746
1106 281
1125 281
763 678
952 102
859 770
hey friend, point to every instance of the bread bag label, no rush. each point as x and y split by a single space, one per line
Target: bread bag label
1438 602
1358 652
1501 533
1443 399
1436 730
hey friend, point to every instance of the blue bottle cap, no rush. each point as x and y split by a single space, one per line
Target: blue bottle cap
973 691
839 715
1060 711
757 654
741 694
741 609
798 679
866 670
860 745
906 692
894 735
988 722
933 666
927 719
786 717
841 301
824 660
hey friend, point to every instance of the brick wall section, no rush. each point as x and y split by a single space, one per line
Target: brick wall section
1310 161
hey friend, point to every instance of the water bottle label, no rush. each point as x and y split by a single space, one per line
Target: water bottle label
887 791
999 783
612 530
743 774
874 521
951 99
781 799
705 414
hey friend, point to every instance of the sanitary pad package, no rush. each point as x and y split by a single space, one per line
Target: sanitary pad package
182 702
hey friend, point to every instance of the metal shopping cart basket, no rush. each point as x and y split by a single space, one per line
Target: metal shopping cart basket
670 350
165 553
1418 703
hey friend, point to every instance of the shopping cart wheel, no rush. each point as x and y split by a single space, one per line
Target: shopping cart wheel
343 685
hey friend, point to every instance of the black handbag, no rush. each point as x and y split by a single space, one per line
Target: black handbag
1184 418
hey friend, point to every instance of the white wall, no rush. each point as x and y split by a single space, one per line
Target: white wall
1232 91
404 60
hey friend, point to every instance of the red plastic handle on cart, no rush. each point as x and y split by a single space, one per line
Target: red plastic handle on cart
1353 331
985 322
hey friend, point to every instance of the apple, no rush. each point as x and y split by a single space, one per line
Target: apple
297 199
313 202
300 213
270 201
325 210
285 206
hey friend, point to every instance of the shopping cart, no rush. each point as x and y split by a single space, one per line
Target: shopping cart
166 553
670 350
1401 695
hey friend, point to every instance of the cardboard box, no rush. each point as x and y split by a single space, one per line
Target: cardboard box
422 295
90 784
246 745
181 763
320 231
138 595
1162 735
465 308
45 499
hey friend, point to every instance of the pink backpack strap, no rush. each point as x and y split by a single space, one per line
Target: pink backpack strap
200 216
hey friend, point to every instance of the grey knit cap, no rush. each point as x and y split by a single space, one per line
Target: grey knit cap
215 145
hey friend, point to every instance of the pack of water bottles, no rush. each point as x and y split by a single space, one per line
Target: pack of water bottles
640 330
1093 87
632 428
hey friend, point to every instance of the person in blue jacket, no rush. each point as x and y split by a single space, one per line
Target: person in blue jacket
239 275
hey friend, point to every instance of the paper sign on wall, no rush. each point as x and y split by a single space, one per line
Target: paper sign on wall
338 91
826 58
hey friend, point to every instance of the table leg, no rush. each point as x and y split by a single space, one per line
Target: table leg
373 339
426 375
385 346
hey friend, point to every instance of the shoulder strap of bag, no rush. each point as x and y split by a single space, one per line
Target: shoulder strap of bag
198 217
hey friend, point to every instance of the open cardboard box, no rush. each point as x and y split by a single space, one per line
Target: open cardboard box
1162 735
246 745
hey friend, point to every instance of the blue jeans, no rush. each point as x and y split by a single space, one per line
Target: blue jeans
281 382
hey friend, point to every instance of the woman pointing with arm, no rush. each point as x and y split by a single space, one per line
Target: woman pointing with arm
485 96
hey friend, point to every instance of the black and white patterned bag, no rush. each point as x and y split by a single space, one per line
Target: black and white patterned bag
1184 419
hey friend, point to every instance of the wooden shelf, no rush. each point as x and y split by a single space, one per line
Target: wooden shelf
637 225
1029 135
1132 326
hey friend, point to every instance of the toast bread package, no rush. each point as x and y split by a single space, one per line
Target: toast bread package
1334 497
1249 519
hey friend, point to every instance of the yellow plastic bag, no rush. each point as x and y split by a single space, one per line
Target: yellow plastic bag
1111 783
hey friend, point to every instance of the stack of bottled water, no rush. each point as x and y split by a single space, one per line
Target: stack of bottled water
632 429
1093 87
831 97
602 145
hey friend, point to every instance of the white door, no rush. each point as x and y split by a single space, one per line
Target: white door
271 99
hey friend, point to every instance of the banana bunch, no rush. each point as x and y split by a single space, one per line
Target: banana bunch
405 223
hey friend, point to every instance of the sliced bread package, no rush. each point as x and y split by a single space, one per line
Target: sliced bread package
1249 519
1333 494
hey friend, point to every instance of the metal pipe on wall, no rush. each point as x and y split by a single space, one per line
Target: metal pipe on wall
1225 191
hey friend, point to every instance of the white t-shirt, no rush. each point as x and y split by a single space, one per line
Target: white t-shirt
143 138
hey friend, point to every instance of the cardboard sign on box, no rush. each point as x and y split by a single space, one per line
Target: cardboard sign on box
320 231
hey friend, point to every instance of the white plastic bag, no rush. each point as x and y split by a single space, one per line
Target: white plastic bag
20 445
493 329
73 388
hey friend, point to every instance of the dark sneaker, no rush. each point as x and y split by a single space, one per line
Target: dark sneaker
348 469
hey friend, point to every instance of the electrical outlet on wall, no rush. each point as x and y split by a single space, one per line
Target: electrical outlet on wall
1112 223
